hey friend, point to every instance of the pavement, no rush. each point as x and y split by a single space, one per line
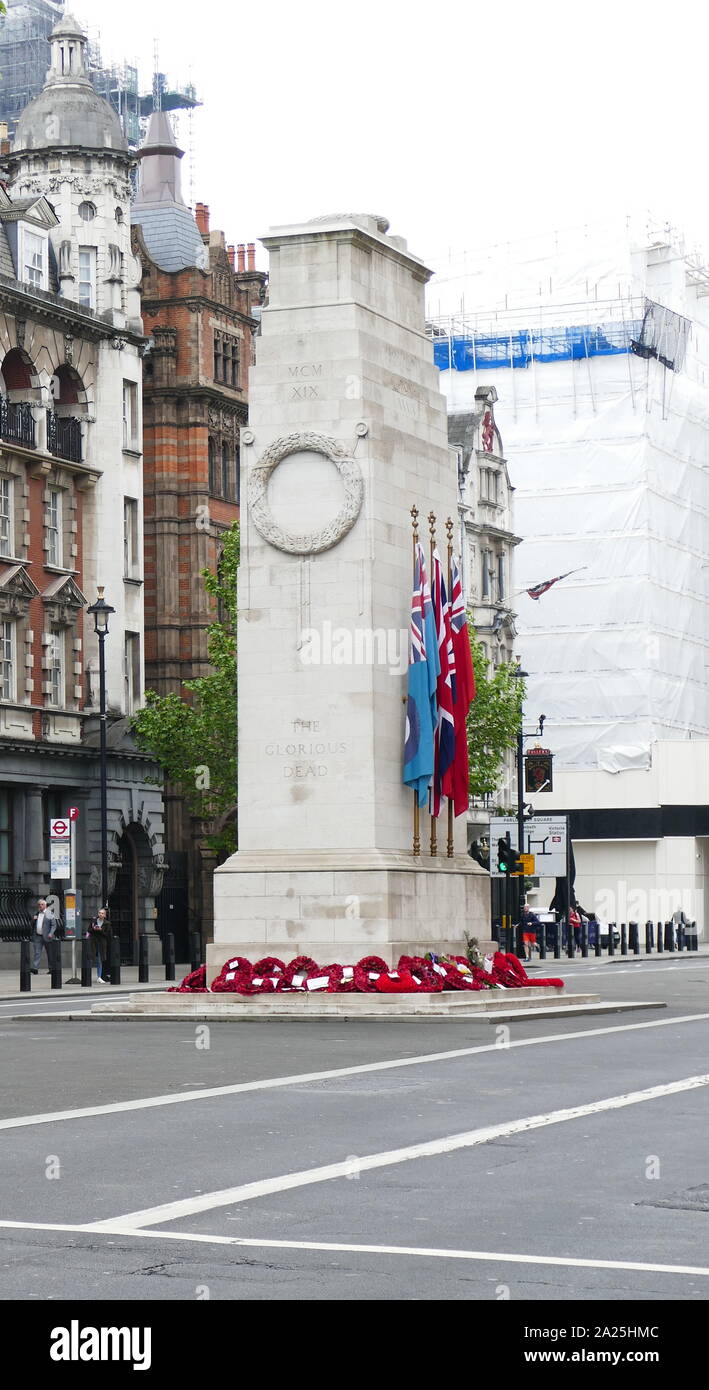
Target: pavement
42 984
560 1160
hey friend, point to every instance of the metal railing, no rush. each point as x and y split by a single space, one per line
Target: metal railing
17 423
629 939
15 914
64 436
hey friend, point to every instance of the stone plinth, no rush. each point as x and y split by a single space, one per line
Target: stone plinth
347 431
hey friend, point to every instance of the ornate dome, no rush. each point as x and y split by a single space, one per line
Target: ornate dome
68 111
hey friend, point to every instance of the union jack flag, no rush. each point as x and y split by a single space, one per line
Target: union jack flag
445 686
539 589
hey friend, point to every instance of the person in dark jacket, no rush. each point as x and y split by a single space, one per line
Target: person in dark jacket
44 930
100 935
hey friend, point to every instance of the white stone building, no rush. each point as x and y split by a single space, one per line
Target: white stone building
71 338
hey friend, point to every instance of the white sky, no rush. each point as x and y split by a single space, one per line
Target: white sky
463 124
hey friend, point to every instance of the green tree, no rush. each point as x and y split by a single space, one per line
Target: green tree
194 739
494 719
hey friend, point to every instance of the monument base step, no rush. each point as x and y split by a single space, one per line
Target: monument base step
310 1006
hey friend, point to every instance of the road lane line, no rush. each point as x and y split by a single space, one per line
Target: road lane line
415 1251
276 1082
246 1192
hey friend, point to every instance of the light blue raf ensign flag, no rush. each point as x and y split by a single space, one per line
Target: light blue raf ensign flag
424 668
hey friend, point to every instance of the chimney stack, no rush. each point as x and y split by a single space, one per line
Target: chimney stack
251 253
201 214
241 255
232 256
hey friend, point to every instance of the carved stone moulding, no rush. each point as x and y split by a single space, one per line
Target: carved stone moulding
329 535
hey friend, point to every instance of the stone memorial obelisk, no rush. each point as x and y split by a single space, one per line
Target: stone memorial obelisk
347 431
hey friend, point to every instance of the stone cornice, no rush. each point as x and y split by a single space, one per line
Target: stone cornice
195 301
45 305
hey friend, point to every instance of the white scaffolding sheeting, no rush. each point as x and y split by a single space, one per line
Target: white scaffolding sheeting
609 456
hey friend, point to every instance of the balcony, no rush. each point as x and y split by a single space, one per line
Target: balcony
17 423
64 437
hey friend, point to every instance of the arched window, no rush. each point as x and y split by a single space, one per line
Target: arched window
226 490
212 453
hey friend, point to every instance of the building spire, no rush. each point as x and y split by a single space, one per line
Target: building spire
160 175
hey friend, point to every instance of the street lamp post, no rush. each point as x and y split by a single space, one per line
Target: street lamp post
521 675
101 612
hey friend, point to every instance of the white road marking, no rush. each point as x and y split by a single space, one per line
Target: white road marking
246 1192
415 1251
276 1082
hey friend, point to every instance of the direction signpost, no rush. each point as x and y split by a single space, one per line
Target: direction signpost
545 841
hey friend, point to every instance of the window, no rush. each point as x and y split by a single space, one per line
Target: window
500 577
489 485
212 452
130 415
226 359
55 549
87 276
5 834
6 528
131 669
7 660
130 537
119 216
87 212
226 491
55 658
34 260
486 573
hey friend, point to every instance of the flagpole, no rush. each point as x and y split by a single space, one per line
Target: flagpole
449 529
432 533
416 849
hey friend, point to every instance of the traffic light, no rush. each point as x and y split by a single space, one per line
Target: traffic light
508 860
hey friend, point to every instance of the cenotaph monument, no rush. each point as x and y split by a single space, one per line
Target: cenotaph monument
347 432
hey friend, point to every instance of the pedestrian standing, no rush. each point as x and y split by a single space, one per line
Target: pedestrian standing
44 930
529 922
99 935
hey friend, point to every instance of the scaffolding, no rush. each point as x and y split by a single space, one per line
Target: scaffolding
25 58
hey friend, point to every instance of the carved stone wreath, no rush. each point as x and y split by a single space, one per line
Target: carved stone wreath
260 512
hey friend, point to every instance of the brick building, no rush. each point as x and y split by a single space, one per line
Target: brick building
71 339
200 305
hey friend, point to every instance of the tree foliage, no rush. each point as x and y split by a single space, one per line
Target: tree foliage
194 739
493 721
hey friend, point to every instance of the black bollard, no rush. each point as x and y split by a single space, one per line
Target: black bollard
695 938
570 939
680 936
648 938
660 937
543 942
635 938
25 967
669 936
557 941
169 956
85 963
611 941
143 960
55 957
584 939
598 949
115 955
195 950
623 939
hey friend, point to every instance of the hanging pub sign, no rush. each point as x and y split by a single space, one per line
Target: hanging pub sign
538 770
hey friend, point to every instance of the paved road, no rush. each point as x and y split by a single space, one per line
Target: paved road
364 1160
